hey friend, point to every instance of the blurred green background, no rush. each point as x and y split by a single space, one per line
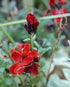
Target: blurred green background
44 41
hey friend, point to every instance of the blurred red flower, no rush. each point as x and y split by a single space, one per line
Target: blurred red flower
21 59
63 1
46 12
57 12
33 68
25 60
52 2
32 25
31 19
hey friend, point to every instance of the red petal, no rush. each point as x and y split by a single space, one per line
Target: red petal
27 48
14 69
64 11
20 46
35 70
28 69
35 55
58 20
20 71
52 2
27 60
63 1
12 50
55 12
31 19
37 65
16 55
46 12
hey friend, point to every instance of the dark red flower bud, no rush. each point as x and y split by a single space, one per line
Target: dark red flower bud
32 23
41 42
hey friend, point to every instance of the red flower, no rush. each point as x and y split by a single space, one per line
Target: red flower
24 48
32 20
25 60
46 12
63 1
57 12
21 59
33 67
52 2
32 23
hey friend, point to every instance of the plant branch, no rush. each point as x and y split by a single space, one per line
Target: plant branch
32 45
52 56
22 85
6 51
39 18
3 58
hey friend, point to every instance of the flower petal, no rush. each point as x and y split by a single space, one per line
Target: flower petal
28 69
46 12
20 70
55 12
58 20
16 55
27 48
32 20
52 2
27 60
14 69
35 70
35 55
20 46
63 1
64 11
12 50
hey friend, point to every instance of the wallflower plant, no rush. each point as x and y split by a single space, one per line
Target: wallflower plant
25 57
56 9
25 60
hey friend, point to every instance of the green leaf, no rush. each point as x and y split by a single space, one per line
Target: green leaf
2 70
54 81
8 81
44 50
25 40
36 44
67 73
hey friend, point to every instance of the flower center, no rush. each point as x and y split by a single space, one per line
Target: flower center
21 63
23 57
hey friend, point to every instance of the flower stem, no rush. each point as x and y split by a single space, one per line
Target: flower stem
32 45
6 52
39 18
52 56
7 34
22 85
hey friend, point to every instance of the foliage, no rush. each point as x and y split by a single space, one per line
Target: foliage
61 76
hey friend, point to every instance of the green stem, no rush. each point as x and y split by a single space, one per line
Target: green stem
32 45
7 34
39 18
22 84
